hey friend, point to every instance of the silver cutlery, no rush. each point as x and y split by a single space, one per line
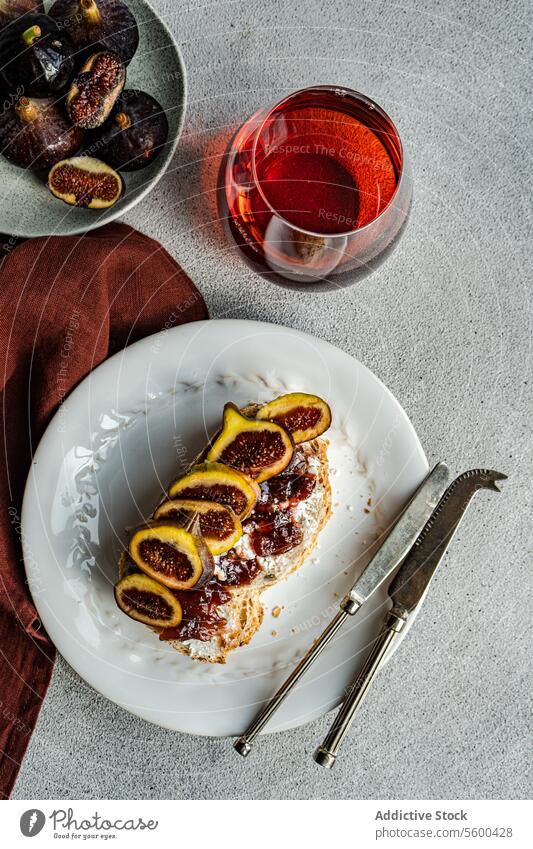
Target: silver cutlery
407 592
392 552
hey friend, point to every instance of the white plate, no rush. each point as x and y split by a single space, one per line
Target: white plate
124 433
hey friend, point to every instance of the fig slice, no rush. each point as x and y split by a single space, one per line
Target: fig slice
85 181
304 416
261 449
217 482
175 556
218 524
143 599
93 92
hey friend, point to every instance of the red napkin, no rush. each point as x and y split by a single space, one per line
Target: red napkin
89 295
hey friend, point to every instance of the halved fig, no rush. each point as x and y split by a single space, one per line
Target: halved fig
175 556
93 91
304 416
84 181
261 449
143 599
218 524
217 482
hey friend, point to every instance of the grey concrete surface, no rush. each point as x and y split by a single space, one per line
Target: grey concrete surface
444 322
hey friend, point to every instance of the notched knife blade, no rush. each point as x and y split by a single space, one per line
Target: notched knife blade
421 563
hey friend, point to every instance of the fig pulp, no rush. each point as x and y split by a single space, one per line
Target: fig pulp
218 524
173 555
304 416
135 133
84 181
35 134
94 24
261 449
10 10
37 56
143 599
92 94
216 482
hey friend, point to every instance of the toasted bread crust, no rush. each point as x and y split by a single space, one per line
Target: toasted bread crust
244 611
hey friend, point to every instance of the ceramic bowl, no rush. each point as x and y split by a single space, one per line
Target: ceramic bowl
26 206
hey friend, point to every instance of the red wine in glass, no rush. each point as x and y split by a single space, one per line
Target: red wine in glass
316 187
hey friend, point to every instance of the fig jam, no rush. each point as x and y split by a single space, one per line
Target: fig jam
201 617
239 571
272 527
290 487
281 538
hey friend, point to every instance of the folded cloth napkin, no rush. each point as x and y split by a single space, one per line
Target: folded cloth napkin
89 295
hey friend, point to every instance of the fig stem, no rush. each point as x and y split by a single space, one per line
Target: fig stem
26 110
90 12
29 35
123 121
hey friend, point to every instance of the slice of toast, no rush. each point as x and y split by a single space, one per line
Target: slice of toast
244 612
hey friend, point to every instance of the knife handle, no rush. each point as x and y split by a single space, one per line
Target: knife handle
326 754
349 606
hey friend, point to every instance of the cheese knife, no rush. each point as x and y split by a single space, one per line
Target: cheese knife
407 592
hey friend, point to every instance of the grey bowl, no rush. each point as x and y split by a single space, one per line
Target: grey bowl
26 206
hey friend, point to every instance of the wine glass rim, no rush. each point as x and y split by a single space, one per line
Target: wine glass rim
356 95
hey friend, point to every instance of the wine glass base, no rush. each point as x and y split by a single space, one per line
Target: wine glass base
327 283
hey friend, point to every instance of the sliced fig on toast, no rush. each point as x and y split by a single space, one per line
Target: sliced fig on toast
143 599
175 556
218 524
261 449
217 482
304 416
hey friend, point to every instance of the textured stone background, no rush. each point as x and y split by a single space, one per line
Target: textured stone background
444 323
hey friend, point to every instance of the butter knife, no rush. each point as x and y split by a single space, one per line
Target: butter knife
407 591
